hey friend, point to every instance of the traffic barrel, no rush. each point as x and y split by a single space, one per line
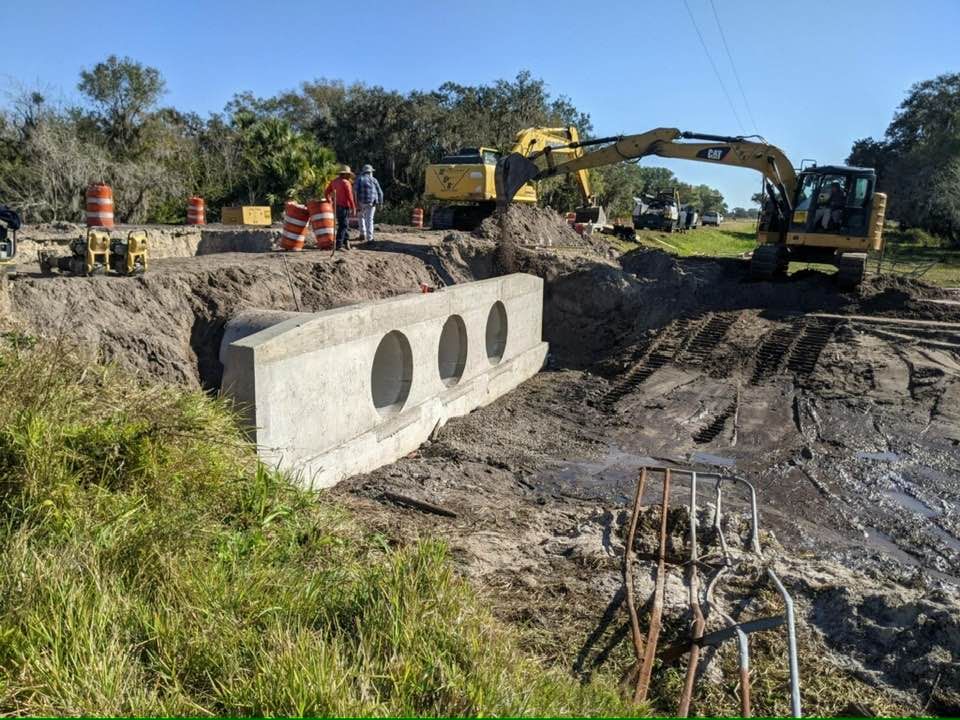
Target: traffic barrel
196 211
295 218
99 212
322 222
416 217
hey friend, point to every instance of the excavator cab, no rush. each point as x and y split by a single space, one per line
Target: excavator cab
835 200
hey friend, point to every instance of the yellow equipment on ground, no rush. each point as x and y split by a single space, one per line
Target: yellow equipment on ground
129 257
464 184
97 254
246 215
830 214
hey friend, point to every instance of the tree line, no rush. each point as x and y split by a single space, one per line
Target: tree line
918 158
266 150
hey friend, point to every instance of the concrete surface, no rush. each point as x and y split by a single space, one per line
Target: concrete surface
342 392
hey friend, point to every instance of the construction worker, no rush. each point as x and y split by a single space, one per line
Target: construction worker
369 195
340 192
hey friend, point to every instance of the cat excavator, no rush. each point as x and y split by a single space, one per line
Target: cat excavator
464 187
830 214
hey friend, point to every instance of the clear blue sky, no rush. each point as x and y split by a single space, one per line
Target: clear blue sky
817 75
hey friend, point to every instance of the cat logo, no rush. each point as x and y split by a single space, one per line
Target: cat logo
715 153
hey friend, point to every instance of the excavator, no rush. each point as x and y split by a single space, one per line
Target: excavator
464 185
831 214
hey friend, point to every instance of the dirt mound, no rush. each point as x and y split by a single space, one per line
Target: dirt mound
524 224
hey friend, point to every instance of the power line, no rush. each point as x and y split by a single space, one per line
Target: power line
714 66
733 66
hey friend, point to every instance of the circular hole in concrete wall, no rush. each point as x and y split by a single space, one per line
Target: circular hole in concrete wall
392 373
452 352
496 332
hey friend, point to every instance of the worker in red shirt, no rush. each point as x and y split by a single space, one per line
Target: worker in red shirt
340 191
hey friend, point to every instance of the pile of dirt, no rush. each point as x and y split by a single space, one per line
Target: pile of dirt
525 224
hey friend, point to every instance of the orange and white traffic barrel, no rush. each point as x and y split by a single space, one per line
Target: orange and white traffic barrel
571 218
196 211
295 218
99 204
416 217
321 221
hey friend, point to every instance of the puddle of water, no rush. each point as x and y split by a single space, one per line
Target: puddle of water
612 477
878 456
703 458
911 503
881 541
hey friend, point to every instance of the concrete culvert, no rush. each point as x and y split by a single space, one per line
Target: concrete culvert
452 351
496 332
392 373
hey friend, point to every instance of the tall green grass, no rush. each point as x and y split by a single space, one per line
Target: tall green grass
152 567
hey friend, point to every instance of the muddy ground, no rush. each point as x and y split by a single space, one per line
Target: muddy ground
850 429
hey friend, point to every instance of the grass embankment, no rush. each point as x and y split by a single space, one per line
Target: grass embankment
912 253
151 567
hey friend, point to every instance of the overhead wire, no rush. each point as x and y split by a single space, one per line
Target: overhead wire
716 71
733 65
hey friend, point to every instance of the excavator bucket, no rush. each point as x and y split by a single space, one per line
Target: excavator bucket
512 172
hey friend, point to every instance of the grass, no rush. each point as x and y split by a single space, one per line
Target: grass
152 567
911 253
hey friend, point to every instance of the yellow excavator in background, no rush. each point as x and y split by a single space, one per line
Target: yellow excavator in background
464 187
830 214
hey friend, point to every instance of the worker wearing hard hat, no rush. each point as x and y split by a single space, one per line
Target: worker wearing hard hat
369 195
340 192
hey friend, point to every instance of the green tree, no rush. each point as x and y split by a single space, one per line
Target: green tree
122 92
917 159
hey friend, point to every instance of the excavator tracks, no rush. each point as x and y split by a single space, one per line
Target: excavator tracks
796 347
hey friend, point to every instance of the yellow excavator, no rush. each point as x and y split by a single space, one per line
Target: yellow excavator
831 214
464 187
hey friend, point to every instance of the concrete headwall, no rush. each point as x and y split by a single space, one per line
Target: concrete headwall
342 392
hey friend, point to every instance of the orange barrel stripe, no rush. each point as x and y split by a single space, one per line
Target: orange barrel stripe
295 219
196 211
99 205
416 217
322 223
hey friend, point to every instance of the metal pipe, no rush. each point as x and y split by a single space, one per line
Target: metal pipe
791 644
698 620
628 559
656 610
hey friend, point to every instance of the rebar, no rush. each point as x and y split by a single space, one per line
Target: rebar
698 620
628 559
656 609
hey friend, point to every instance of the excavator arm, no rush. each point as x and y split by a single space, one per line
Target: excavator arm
516 169
546 146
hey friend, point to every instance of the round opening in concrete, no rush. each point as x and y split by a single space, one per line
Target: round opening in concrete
392 373
496 332
452 352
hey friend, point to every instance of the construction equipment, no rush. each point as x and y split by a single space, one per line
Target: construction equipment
97 254
9 224
662 212
464 183
129 257
830 214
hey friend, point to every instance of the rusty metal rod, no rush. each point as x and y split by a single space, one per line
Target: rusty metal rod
698 620
628 560
656 610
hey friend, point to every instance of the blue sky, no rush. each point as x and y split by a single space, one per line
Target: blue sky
816 75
